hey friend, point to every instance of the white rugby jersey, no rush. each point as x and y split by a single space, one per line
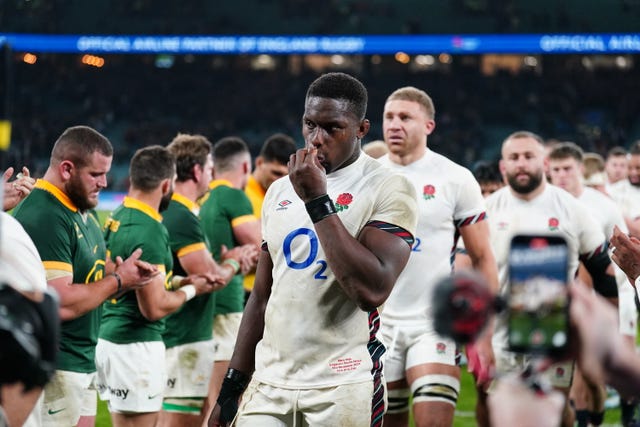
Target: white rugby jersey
314 335
604 210
607 213
627 197
448 197
553 212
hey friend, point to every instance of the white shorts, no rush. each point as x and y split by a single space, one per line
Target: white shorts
409 346
558 375
345 405
35 417
67 397
225 332
131 377
627 310
189 369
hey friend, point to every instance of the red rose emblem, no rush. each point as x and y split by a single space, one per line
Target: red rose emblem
344 199
428 192
553 223
441 347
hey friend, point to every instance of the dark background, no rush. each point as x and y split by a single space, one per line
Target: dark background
592 99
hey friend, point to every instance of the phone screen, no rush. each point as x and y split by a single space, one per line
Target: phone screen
538 300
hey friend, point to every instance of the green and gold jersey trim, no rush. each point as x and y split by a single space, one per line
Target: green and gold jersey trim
218 182
57 193
130 202
192 206
243 219
195 247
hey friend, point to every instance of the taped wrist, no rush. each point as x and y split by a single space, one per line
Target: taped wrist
233 385
320 208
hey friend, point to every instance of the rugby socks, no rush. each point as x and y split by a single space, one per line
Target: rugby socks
627 411
596 418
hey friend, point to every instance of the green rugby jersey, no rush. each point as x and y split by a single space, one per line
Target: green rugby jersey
69 243
193 321
223 208
134 225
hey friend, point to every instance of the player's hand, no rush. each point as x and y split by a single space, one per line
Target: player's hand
481 361
16 190
134 272
249 258
625 251
205 283
514 403
307 174
245 255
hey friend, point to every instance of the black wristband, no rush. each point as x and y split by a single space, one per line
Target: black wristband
117 276
232 388
320 208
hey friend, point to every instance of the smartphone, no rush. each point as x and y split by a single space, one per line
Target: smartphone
538 296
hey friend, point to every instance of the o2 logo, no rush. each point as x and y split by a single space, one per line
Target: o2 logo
314 245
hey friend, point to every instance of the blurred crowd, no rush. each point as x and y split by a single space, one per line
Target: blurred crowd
136 104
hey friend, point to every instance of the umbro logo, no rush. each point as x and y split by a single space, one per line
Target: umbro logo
282 205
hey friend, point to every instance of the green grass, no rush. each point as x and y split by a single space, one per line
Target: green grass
465 416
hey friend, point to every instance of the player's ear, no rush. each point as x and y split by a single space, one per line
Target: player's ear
430 125
165 186
365 125
196 172
65 168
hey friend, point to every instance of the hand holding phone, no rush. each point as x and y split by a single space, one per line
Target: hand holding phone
537 296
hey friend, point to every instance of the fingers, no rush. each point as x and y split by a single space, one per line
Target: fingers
135 255
119 261
25 172
7 174
148 270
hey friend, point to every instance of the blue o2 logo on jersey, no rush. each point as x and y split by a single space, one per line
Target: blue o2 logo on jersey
314 245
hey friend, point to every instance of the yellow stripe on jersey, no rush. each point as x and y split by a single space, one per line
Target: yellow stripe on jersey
58 265
132 203
243 219
192 206
161 268
191 248
57 193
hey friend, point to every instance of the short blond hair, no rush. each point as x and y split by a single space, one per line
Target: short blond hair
413 94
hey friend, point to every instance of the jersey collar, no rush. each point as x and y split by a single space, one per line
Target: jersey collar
130 202
57 193
218 182
192 206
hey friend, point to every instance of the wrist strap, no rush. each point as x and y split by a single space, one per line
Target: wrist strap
233 385
320 208
233 263
176 281
189 292
119 280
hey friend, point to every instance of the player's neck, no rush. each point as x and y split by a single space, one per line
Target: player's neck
577 192
187 189
150 198
531 195
409 157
